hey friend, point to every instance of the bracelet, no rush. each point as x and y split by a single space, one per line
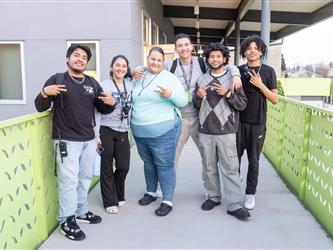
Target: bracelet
43 93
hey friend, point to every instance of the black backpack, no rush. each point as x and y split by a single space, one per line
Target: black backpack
201 63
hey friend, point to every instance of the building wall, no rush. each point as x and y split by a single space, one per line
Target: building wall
45 27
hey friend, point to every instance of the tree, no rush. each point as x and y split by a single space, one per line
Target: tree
283 63
330 65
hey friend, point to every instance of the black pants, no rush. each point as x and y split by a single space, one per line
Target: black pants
251 137
116 147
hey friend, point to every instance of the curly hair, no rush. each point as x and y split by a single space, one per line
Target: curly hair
262 47
215 47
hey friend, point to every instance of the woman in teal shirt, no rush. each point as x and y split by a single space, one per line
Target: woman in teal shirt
156 127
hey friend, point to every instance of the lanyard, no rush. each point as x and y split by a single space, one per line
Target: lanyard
187 81
143 81
119 92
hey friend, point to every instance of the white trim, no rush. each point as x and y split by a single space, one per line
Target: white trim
165 38
23 83
157 34
96 42
145 14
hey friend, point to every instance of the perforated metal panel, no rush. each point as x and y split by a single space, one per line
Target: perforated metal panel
272 146
18 221
292 144
319 180
306 157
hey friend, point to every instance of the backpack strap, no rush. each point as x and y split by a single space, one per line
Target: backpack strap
60 79
95 86
174 66
202 65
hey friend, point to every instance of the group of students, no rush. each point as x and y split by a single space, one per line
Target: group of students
221 107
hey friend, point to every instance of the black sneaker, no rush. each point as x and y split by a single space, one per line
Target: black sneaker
240 213
209 204
89 218
146 200
71 230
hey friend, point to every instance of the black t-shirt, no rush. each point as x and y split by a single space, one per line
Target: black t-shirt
75 120
256 109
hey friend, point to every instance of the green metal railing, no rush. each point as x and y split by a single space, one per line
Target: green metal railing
299 143
29 196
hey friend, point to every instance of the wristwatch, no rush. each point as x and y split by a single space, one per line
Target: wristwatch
228 94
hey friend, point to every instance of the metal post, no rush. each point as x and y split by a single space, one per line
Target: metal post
237 42
265 24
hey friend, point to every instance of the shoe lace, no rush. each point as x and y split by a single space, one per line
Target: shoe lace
89 214
72 225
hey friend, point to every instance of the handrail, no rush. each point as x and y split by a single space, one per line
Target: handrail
29 196
299 143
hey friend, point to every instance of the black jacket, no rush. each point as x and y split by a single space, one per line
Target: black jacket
73 110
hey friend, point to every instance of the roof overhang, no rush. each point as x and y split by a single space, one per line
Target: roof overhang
217 17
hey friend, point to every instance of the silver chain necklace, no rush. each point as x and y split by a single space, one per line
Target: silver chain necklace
78 81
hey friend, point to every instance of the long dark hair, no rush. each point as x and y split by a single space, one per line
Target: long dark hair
114 59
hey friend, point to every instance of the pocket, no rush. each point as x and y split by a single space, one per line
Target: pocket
230 146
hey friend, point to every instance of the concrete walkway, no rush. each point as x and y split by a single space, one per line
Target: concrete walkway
278 222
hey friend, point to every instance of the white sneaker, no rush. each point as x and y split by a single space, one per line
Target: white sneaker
112 210
250 202
121 203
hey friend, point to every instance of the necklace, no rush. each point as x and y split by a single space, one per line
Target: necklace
247 67
78 81
144 79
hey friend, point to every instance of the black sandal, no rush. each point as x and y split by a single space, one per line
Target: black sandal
146 199
163 210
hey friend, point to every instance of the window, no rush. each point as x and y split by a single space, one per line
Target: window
146 30
146 35
154 34
12 77
93 68
165 38
160 37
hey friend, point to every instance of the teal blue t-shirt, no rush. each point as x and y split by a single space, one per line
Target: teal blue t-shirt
150 108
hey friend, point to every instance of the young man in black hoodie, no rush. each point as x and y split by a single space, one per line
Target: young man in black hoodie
74 96
259 83
219 108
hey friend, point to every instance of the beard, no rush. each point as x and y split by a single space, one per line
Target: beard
78 71
216 67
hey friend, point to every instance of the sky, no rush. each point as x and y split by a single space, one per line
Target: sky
311 45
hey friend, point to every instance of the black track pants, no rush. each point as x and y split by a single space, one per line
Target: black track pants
251 137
